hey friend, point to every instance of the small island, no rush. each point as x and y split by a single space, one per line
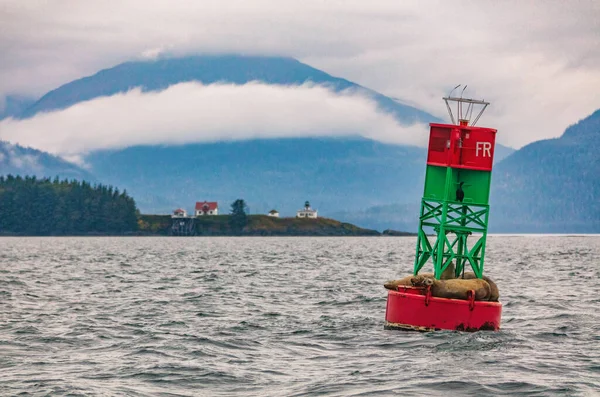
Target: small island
207 221
44 207
396 233
256 225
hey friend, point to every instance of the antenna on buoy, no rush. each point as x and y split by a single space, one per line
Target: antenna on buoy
464 118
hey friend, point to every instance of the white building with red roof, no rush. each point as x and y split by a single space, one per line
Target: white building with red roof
206 208
179 213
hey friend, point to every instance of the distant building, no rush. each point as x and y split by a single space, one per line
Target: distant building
273 213
206 208
179 213
306 212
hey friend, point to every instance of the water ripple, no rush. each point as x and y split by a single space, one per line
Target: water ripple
284 316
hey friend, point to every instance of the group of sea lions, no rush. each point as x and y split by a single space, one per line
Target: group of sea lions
450 287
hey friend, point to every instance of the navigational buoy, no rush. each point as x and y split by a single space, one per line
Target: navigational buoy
455 206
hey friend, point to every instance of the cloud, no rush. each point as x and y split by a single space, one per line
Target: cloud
10 156
537 61
25 161
192 112
152 53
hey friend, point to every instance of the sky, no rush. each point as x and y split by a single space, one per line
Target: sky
537 62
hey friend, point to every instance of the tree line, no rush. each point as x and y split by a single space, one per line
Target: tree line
33 206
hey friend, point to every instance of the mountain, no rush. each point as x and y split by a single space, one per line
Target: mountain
332 173
18 160
160 74
551 185
14 105
548 186
335 174
338 175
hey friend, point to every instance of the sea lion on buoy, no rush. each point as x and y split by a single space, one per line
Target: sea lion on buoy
446 275
494 292
455 288
449 272
393 285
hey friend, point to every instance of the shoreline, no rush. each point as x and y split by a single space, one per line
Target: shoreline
202 236
226 226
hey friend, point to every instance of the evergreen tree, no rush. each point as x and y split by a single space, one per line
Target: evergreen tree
238 215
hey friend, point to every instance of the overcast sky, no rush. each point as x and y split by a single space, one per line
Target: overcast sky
538 62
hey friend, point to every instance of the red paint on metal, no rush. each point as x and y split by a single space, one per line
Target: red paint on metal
416 308
460 146
439 145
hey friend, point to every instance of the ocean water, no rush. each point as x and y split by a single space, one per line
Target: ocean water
285 317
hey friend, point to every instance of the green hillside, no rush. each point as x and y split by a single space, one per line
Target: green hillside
551 185
258 225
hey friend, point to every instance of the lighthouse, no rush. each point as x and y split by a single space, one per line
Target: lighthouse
453 224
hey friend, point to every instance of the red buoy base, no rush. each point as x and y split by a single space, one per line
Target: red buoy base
413 308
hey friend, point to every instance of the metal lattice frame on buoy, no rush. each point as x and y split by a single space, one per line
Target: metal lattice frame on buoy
458 221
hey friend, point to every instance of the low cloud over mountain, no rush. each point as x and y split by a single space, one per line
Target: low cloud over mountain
193 112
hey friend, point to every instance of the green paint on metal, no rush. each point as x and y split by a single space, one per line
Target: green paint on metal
453 224
435 183
441 184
